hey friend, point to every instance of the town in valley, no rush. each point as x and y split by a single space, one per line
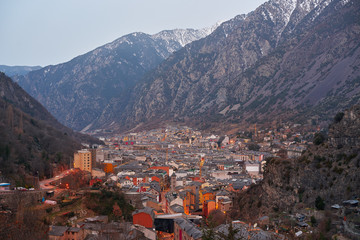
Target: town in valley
169 183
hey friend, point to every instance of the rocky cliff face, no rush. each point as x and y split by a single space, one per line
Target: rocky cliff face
79 91
326 171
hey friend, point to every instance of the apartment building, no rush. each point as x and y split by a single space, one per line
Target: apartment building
83 160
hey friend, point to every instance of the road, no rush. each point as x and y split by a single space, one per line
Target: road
163 201
45 184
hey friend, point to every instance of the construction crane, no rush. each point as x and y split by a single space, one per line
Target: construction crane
167 155
164 138
167 148
202 161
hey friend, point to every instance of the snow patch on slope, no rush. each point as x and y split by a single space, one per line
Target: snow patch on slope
320 8
184 36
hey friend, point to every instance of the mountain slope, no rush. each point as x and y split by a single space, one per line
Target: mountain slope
77 92
30 136
286 56
17 70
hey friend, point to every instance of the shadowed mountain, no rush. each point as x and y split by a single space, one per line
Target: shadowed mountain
30 137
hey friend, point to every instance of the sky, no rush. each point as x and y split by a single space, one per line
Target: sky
48 32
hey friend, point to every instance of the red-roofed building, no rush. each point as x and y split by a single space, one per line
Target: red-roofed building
144 217
95 180
138 180
155 178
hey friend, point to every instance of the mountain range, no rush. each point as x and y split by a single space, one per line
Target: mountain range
17 70
287 60
79 91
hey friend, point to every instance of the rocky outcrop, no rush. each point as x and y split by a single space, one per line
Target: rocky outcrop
326 171
347 131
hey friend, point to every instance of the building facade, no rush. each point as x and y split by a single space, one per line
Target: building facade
83 160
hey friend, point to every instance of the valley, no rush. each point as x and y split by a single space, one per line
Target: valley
247 129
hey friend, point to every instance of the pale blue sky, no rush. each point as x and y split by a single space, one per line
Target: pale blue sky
44 32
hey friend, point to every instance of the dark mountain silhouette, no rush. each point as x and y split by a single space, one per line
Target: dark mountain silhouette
32 140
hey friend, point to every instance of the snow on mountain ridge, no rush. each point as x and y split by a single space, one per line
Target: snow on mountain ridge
286 14
185 36
172 40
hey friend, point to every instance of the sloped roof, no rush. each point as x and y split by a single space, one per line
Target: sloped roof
246 232
74 229
189 228
177 208
223 193
57 230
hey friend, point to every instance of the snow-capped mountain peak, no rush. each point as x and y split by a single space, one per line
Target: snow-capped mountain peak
178 38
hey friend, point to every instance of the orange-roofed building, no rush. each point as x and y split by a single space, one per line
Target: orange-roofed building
108 168
208 196
155 178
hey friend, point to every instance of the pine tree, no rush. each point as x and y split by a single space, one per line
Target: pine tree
208 230
231 233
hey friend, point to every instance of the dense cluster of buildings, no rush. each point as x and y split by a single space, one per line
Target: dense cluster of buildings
176 176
